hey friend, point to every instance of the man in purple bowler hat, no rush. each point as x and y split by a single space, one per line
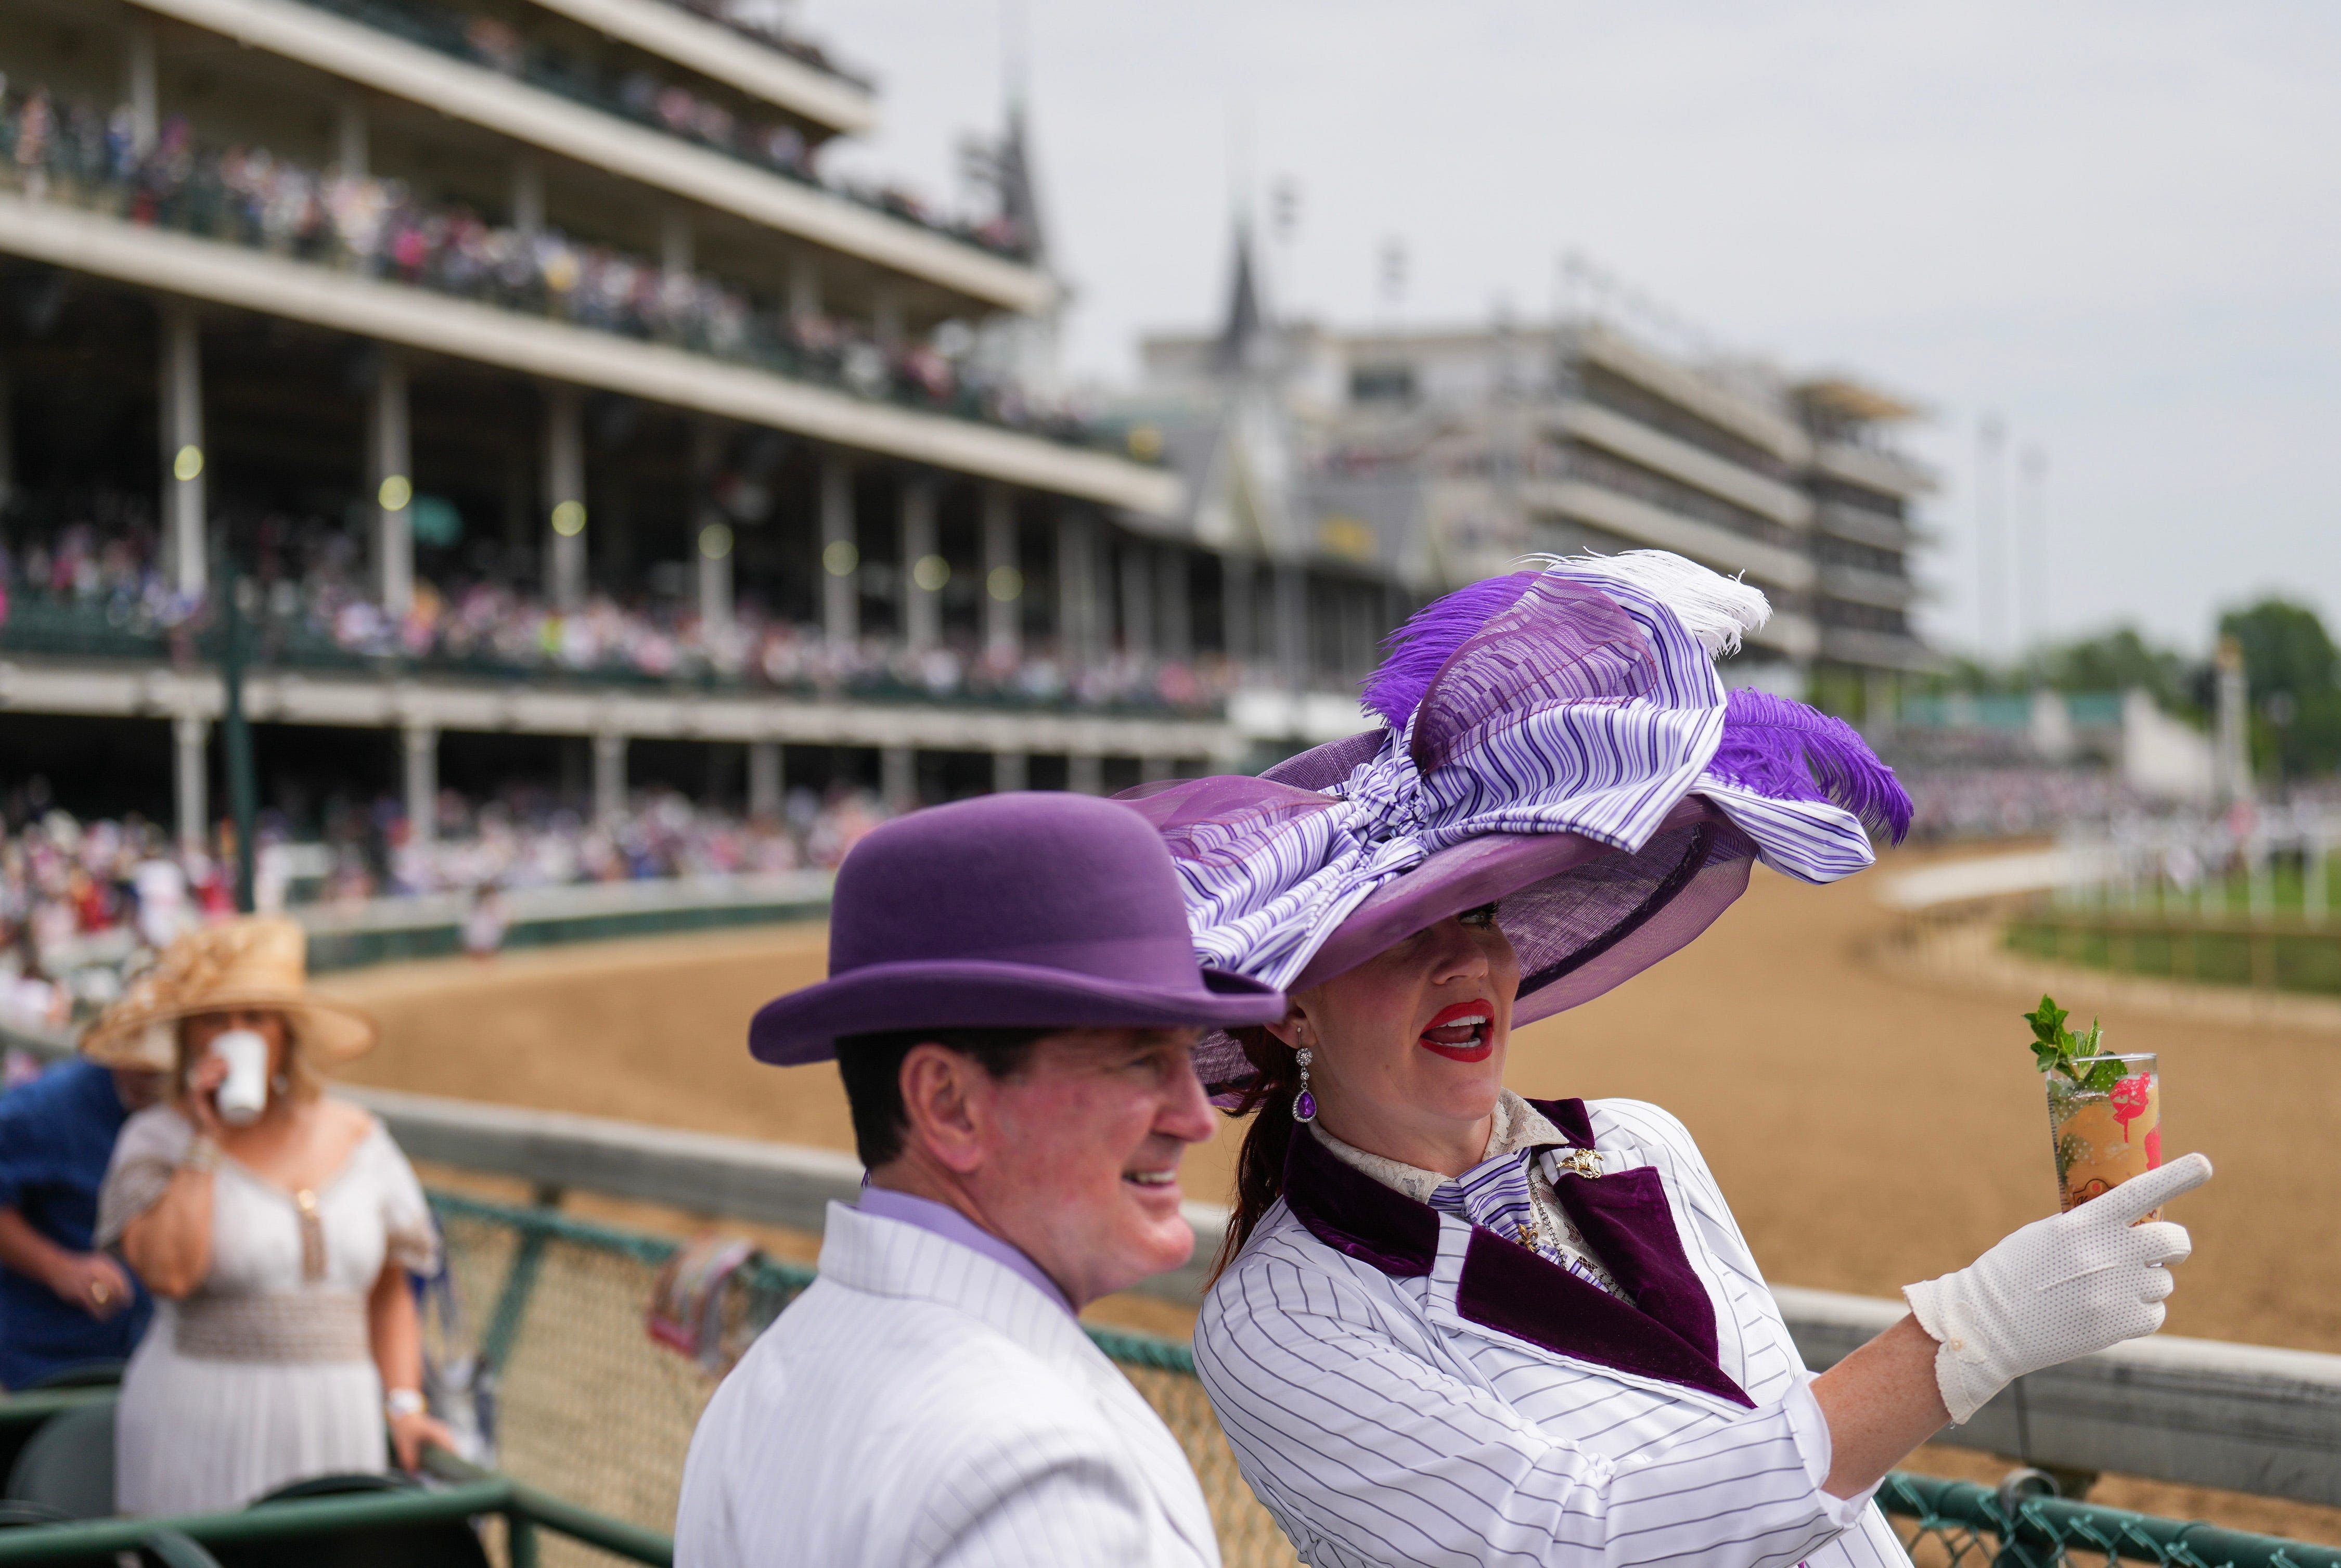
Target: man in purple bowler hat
1013 1001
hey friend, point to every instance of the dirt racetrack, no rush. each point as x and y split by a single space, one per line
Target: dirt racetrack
1869 1128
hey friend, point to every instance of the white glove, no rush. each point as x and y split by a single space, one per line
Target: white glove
2057 1288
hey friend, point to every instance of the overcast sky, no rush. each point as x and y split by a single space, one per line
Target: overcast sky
2117 225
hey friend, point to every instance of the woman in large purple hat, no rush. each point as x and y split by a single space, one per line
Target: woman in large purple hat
1455 1325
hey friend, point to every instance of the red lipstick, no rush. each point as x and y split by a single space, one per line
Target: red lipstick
1474 1046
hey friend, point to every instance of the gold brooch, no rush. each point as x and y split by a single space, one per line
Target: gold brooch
1577 1162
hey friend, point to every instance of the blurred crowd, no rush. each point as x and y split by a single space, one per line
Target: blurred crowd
313 603
1949 803
71 150
79 900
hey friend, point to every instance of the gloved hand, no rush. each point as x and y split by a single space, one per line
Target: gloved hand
2057 1289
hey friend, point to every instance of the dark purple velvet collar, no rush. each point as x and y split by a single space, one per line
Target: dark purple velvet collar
1625 1218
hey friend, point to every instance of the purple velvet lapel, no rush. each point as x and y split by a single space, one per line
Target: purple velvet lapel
1351 1212
1626 1219
1506 1287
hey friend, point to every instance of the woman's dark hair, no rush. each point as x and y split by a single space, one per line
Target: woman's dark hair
1259 1163
872 1066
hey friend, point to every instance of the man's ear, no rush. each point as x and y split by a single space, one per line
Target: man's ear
947 1101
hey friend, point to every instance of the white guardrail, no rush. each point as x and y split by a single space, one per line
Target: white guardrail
2206 1412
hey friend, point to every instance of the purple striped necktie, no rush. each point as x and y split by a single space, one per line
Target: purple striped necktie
1494 1194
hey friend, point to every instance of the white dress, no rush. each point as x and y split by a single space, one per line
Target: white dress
264 1375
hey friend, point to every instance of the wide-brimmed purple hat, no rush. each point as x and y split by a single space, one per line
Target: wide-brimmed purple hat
1011 911
1557 740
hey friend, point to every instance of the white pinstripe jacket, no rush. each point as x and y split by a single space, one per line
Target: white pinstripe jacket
921 1404
1402 1387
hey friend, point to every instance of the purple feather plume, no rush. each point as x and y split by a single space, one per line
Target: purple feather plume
1415 653
1789 752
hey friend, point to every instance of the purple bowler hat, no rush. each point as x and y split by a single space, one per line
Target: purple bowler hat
1008 911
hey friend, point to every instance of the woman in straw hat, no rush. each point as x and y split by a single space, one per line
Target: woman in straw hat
1462 1326
275 1225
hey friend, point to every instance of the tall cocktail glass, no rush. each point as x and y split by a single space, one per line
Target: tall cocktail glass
2103 1135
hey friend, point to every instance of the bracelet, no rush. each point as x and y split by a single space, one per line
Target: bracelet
203 1155
400 1402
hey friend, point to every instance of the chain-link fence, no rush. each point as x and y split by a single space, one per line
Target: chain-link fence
589 1406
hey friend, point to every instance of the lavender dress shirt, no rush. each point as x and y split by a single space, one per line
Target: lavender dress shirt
885 1204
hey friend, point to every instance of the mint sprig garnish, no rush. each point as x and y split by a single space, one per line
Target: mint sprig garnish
2056 1049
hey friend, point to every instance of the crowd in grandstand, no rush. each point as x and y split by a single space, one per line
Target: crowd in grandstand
2015 801
71 150
315 603
65 881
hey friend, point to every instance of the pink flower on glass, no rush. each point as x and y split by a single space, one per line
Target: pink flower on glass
2129 1097
2154 1150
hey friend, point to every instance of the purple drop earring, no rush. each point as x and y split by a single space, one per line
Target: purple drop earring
1304 1105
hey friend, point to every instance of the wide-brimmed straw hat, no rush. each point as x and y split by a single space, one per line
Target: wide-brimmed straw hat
1556 740
1020 911
259 962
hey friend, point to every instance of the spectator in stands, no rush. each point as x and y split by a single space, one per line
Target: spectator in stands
485 923
275 1225
63 1304
1012 1003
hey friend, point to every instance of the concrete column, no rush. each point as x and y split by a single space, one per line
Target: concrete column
609 777
898 778
1003 579
1239 621
8 438
420 755
1292 658
140 86
1010 771
1085 773
1077 589
527 193
564 497
1153 769
675 249
841 554
925 570
767 791
183 451
715 576
805 284
1137 600
354 149
191 777
390 470
886 314
1174 632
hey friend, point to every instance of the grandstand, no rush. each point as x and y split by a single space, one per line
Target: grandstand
564 422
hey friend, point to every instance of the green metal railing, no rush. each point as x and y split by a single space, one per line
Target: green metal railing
524 1510
469 1492
1943 1522
1959 1522
590 1409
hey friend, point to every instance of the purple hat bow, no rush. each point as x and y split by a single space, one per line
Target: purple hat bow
1581 699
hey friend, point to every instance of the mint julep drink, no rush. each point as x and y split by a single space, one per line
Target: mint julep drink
2104 1110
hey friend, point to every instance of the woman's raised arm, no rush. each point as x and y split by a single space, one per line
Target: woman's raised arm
2060 1288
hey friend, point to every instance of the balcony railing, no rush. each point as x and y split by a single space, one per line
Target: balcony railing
482 40
772 35
71 152
492 636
